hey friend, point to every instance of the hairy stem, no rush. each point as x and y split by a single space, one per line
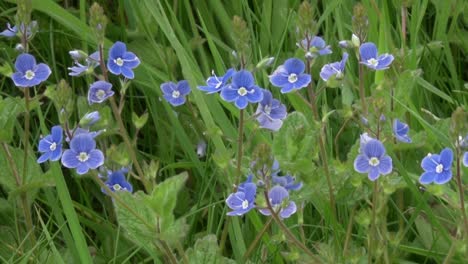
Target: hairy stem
373 236
362 93
253 245
240 139
460 191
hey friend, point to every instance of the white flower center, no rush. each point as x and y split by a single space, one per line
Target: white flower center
83 156
242 91
117 187
374 162
29 75
292 78
53 146
339 75
100 94
373 62
439 168
119 61
245 204
175 94
267 109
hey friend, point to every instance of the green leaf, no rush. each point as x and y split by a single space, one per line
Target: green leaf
9 110
206 250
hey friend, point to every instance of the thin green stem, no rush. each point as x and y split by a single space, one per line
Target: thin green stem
349 230
460 191
254 243
240 139
362 93
373 237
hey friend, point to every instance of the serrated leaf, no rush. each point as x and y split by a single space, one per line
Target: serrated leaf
206 250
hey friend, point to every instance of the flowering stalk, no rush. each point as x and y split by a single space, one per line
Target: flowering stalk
123 131
362 93
460 190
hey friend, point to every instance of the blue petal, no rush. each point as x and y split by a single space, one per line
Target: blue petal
44 157
113 67
446 158
302 81
384 61
278 112
57 134
430 162
294 65
117 50
69 159
25 62
177 101
343 61
168 87
235 200
318 42
82 143
327 72
242 78
385 165
465 159
42 72
271 124
229 95
127 72
82 168
368 51
277 194
373 173
287 88
255 95
288 211
209 89
265 211
130 60
374 148
325 51
95 159
241 102
250 190
361 164
44 144
279 79
183 87
56 154
443 177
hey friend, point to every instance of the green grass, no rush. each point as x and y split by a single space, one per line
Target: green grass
75 223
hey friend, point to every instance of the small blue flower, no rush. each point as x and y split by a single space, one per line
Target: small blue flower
11 32
335 69
372 159
116 181
79 130
175 93
315 46
243 200
99 92
242 90
288 182
90 119
370 58
216 84
465 159
401 131
122 61
51 145
28 73
437 167
91 62
270 112
277 195
82 154
290 76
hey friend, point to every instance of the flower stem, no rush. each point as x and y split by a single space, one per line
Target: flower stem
373 238
362 93
240 139
253 245
460 190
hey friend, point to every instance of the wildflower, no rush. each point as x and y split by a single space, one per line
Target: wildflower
242 90
243 200
370 58
437 167
288 182
175 93
290 76
214 83
270 112
276 196
82 154
79 130
28 73
90 119
315 46
99 92
51 145
401 131
91 62
334 70
122 61
116 181
11 32
372 159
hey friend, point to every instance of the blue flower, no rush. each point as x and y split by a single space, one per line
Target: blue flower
122 61
335 69
11 32
91 62
116 181
51 145
243 200
215 83
242 90
277 195
318 47
175 93
290 76
372 159
370 58
401 131
465 159
82 154
437 167
270 112
28 73
99 92
79 130
288 182
90 119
